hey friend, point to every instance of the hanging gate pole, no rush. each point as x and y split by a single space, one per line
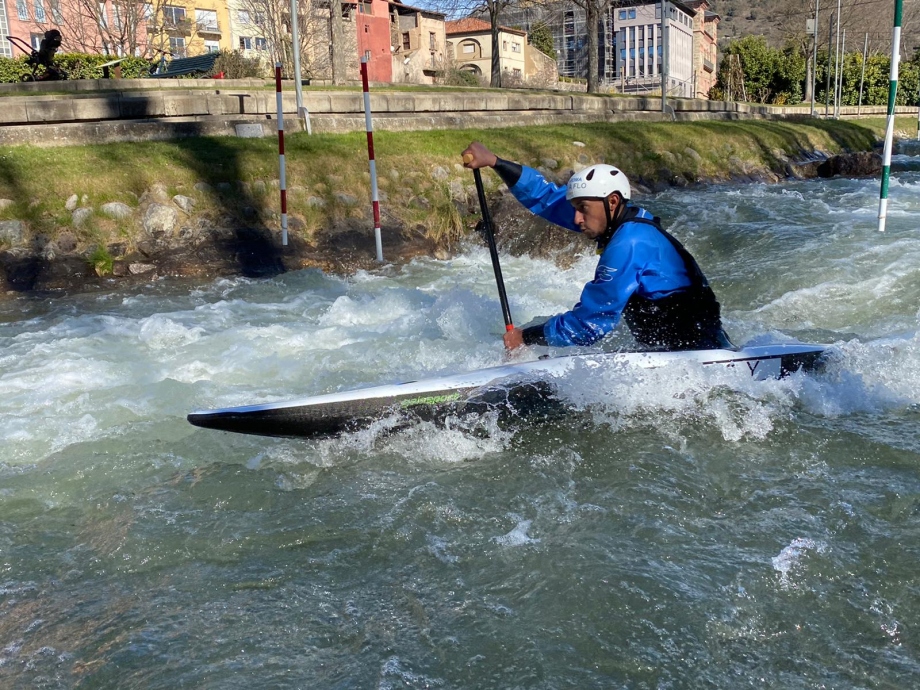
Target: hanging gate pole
889 130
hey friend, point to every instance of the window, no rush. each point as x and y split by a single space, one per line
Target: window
406 43
516 72
245 43
173 15
206 20
468 48
243 17
211 47
146 11
432 41
177 46
56 15
103 18
22 10
365 8
40 12
622 14
632 14
261 44
504 46
35 40
260 18
367 56
515 47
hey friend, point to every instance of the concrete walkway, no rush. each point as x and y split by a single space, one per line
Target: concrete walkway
99 111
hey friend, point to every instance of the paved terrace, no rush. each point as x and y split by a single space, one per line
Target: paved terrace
94 111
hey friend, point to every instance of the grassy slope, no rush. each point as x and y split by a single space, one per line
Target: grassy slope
39 180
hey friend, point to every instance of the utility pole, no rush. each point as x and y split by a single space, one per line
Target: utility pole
837 61
827 86
664 56
838 97
814 59
862 77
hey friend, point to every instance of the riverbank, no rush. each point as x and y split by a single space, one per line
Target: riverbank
80 217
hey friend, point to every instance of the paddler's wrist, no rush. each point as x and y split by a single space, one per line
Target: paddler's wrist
534 335
509 171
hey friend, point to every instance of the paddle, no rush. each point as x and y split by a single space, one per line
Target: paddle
493 250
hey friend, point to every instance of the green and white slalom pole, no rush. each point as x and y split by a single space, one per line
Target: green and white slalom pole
889 131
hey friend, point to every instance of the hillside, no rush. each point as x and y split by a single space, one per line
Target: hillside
784 20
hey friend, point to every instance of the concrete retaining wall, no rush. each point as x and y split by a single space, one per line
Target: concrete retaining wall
92 111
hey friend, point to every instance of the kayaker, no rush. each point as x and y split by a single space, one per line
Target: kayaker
644 275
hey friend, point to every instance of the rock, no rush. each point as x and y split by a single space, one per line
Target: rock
137 269
580 144
67 242
12 232
5 204
346 199
584 159
550 163
457 190
50 251
159 192
186 203
84 200
116 210
420 202
81 216
692 154
439 173
316 202
160 219
71 203
394 173
259 187
860 164
203 187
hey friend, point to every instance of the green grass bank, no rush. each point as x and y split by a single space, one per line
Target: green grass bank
232 182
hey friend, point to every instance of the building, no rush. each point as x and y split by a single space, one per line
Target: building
418 43
640 50
629 43
471 41
190 27
705 47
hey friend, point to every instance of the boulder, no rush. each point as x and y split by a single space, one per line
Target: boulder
160 219
116 210
12 232
859 164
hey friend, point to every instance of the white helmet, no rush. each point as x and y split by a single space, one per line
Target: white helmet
597 182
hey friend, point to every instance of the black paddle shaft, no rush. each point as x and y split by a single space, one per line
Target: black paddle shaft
493 250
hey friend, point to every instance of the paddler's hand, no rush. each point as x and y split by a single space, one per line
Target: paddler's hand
478 156
514 338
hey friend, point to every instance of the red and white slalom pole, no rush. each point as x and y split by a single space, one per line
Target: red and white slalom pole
282 177
375 199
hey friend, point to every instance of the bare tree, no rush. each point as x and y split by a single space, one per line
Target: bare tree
594 10
122 27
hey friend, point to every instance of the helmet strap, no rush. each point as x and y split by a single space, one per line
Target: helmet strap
613 222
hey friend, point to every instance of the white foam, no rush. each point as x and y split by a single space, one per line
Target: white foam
791 557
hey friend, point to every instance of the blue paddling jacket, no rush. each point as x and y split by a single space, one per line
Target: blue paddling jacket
644 275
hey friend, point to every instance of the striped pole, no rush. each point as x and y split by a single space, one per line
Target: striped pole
889 130
375 199
283 173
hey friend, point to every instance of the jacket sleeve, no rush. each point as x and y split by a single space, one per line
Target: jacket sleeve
603 299
543 198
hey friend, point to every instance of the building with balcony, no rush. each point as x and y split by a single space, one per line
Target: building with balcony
190 27
470 48
418 43
705 47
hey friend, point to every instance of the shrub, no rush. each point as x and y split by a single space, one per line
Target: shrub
12 70
235 65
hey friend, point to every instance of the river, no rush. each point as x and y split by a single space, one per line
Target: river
680 528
